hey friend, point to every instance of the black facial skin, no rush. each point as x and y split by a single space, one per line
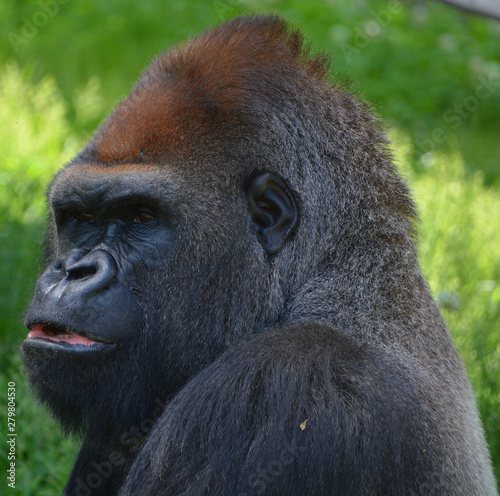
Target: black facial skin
103 238
233 303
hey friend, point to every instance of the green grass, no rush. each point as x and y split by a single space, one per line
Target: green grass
49 108
459 255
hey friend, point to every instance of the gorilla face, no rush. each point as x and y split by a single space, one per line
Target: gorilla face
85 319
150 278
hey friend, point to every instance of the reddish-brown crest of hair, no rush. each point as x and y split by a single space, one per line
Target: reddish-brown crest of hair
198 89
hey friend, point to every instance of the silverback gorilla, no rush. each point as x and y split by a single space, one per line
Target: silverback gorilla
232 303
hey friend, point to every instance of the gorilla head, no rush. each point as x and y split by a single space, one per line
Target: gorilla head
165 234
236 195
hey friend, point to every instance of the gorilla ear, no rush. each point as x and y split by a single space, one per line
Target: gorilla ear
274 211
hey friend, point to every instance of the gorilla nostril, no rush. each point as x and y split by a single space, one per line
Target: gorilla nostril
96 270
80 271
72 260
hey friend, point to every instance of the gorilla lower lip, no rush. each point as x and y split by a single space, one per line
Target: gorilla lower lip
53 333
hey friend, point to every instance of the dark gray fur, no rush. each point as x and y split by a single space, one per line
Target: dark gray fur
324 369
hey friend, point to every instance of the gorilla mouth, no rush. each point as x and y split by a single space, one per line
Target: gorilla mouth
58 334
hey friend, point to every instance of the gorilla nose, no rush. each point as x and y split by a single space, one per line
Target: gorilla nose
92 272
86 291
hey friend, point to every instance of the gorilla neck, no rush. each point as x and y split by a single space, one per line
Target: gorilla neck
395 297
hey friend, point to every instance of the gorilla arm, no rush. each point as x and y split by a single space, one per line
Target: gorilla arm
299 410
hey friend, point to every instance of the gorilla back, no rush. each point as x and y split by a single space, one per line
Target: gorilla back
232 302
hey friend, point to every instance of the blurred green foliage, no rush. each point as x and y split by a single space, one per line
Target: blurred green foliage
432 72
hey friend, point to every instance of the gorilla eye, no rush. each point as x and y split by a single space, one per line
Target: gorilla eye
143 217
85 217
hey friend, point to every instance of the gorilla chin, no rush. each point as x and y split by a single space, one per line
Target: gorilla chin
66 369
233 303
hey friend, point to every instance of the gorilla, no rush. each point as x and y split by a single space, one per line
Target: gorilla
232 302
